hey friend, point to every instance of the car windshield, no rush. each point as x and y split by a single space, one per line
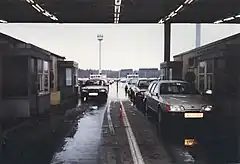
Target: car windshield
93 82
143 84
178 88
134 81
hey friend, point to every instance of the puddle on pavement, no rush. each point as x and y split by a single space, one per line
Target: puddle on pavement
82 144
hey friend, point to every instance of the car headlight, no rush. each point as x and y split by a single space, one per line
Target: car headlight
207 108
102 90
175 108
84 90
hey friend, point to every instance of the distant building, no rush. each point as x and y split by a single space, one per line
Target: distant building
85 73
125 72
148 72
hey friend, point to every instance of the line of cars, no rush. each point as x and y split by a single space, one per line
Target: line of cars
169 100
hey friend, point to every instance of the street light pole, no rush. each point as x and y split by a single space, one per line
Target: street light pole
100 38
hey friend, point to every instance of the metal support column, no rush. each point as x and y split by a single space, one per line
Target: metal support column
167 46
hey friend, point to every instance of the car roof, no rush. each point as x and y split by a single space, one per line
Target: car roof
172 81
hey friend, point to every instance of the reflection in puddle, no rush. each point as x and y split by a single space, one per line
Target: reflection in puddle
83 145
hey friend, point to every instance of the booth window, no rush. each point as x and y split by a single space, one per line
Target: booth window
68 77
191 62
43 76
205 75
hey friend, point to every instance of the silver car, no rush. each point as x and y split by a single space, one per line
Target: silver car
170 98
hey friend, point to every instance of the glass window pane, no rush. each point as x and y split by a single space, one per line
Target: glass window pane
68 76
32 65
201 83
40 65
202 66
210 66
46 66
209 81
39 79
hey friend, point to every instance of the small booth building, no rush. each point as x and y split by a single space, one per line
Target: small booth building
29 79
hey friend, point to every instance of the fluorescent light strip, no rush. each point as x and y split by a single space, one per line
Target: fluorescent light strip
174 13
36 8
3 21
41 10
227 19
117 10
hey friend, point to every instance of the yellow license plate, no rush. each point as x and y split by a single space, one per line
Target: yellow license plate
193 115
189 142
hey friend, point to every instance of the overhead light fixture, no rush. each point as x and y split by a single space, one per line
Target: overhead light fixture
174 15
190 1
161 21
3 21
30 1
179 8
118 3
117 10
176 11
228 19
38 8
217 22
237 16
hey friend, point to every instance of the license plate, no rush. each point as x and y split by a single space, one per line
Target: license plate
189 142
193 115
93 94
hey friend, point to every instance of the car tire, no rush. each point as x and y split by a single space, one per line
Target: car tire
104 98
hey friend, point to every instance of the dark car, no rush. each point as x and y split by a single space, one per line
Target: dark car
95 88
171 99
131 83
139 89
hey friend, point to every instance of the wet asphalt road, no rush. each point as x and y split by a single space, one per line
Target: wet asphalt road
83 146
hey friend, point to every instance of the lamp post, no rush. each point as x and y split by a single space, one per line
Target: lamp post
100 38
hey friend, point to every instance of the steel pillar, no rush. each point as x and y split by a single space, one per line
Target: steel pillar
167 47
198 35
167 41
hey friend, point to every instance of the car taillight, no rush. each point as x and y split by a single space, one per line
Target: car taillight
168 107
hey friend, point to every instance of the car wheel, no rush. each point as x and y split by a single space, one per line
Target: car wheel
104 98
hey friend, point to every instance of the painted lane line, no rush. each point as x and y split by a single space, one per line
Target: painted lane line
135 151
110 124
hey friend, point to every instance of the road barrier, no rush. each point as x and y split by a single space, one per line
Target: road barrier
121 112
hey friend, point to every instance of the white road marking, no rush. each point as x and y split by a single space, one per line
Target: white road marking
110 124
135 151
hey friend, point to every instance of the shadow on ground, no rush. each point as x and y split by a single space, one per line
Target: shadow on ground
37 141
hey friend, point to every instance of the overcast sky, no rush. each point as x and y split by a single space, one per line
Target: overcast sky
124 46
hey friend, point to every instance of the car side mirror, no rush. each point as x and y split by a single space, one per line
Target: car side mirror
208 92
